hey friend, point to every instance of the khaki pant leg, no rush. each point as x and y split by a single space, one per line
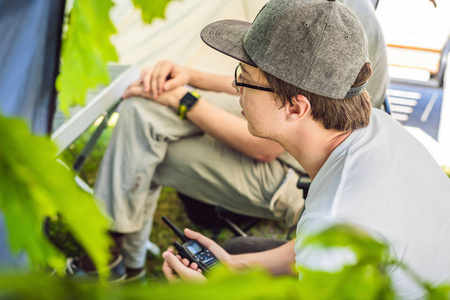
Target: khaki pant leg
138 145
207 170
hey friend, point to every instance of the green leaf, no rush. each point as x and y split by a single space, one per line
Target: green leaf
361 281
151 9
86 49
438 292
246 286
362 244
366 279
34 186
236 286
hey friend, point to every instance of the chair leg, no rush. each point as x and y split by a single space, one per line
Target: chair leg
216 218
233 227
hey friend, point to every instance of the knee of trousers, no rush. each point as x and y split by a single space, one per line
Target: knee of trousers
155 120
288 201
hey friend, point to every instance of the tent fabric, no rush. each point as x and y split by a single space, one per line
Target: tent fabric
30 32
30 35
177 37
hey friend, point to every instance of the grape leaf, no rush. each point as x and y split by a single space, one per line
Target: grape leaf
151 9
245 285
35 186
86 49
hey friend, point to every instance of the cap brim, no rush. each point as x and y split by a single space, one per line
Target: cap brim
227 36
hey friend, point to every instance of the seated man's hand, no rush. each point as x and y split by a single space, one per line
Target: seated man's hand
170 98
163 77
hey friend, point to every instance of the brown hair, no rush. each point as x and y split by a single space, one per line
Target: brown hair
335 114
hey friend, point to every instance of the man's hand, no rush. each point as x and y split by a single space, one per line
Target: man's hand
163 77
175 268
171 98
212 246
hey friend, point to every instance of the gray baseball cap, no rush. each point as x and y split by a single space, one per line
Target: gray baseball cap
317 45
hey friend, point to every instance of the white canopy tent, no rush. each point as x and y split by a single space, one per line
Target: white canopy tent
178 36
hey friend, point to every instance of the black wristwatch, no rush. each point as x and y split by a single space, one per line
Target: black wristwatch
186 103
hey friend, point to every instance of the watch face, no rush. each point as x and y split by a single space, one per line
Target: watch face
186 103
189 100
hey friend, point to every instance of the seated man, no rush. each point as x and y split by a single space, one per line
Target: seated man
303 68
208 154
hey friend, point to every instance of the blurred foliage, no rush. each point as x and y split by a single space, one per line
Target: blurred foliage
250 285
33 187
86 47
151 9
59 234
366 279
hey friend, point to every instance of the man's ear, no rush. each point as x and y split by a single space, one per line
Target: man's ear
299 108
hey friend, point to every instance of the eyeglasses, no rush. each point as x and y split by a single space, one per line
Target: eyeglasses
238 74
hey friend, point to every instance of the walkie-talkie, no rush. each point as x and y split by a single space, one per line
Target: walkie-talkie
193 250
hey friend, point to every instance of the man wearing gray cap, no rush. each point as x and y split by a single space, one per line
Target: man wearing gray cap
302 76
208 155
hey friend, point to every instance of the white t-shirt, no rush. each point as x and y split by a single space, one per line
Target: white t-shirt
383 180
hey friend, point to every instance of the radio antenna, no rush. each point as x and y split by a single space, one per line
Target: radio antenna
175 229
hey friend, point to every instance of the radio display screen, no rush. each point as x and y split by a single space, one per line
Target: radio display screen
194 248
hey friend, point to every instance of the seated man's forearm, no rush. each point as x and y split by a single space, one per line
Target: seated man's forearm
232 131
211 82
